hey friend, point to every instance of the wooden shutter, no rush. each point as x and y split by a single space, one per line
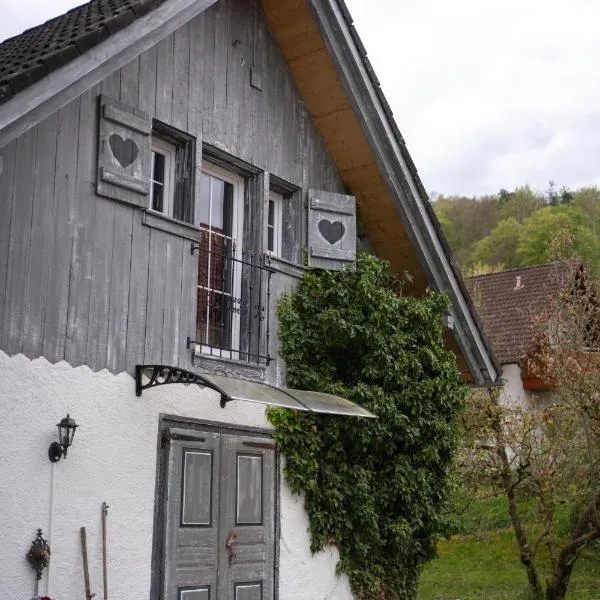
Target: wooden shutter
331 229
123 153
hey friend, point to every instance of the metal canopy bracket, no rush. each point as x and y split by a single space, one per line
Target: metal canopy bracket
231 388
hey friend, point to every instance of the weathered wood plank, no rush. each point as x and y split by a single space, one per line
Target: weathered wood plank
164 79
155 305
260 99
173 273
119 287
146 100
57 301
130 76
248 26
237 57
83 228
19 244
42 237
181 74
208 85
196 80
138 294
111 85
7 172
219 108
102 252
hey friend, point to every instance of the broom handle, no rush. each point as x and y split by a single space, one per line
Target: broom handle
86 571
104 569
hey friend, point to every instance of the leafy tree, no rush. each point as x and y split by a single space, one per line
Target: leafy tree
375 488
500 246
547 451
587 200
519 204
465 221
567 224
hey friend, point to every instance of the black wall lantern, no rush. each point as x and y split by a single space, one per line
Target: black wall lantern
66 431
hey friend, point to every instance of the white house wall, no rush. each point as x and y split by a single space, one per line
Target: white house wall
112 460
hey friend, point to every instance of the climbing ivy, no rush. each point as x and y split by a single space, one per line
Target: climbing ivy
375 488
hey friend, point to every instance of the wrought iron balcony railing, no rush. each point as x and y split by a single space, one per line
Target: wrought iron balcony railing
233 293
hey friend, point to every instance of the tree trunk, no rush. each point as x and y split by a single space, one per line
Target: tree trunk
559 584
525 554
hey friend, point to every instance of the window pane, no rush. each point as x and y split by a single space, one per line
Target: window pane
204 201
271 218
159 167
270 240
158 199
216 213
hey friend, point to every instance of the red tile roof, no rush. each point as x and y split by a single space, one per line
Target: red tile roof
508 301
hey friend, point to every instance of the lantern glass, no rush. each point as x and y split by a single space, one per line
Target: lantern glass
66 431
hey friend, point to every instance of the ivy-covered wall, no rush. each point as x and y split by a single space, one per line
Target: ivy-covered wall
375 488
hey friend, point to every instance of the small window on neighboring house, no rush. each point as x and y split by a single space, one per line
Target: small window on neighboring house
172 169
274 232
162 177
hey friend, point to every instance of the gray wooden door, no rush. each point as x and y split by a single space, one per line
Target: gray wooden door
219 521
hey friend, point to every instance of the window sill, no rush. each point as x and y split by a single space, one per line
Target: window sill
225 366
179 228
281 265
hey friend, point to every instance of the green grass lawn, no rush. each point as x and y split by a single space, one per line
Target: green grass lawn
483 562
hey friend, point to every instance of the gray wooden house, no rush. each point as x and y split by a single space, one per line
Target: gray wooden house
168 168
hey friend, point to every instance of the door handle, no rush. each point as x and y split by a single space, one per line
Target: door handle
229 544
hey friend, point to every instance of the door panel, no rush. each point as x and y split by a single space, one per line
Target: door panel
247 519
219 518
191 519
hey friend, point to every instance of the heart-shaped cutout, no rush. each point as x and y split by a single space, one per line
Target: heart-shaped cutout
332 232
125 151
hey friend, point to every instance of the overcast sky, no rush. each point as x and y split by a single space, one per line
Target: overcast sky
488 94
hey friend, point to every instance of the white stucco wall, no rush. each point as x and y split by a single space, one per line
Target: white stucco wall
112 460
513 393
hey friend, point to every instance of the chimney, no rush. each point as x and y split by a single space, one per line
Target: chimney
519 284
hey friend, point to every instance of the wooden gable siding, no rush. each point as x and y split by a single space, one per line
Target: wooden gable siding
82 278
315 74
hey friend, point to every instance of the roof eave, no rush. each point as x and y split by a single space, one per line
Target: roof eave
406 189
49 94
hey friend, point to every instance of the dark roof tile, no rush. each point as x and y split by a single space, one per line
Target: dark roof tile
28 57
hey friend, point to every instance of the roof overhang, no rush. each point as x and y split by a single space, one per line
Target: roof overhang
382 175
232 388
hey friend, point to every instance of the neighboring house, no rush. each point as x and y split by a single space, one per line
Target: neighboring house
510 304
167 170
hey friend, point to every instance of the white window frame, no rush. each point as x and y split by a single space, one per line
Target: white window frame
277 224
237 231
168 150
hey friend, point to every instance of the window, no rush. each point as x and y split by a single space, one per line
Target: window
162 176
220 215
172 169
274 223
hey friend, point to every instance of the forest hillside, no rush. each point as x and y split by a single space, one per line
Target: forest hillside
522 227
